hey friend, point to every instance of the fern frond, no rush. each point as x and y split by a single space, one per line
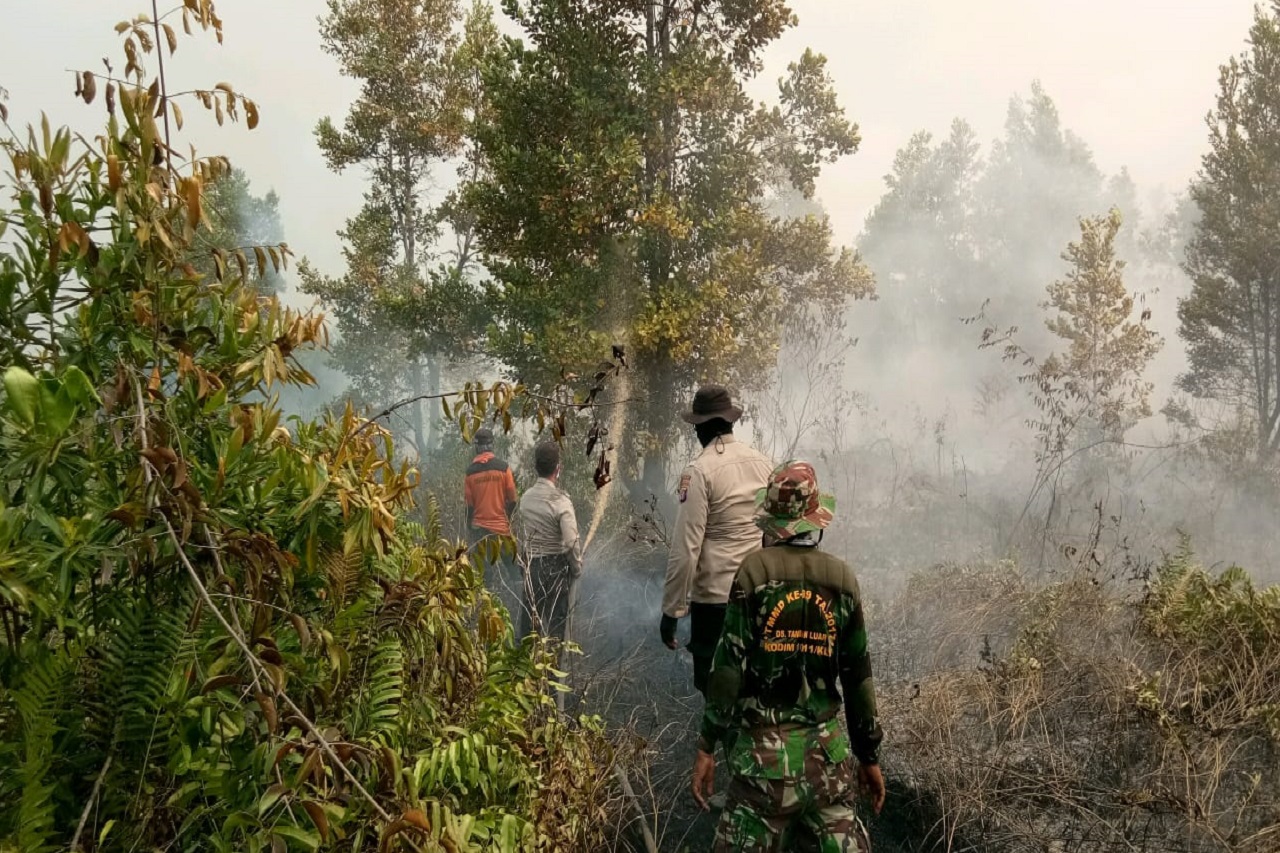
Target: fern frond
471 767
145 654
40 697
434 528
378 710
343 571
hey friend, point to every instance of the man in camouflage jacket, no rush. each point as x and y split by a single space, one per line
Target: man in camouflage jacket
793 650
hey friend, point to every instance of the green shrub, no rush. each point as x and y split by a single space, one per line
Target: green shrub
216 632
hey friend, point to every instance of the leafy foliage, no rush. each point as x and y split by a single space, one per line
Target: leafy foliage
1231 320
623 195
402 302
217 633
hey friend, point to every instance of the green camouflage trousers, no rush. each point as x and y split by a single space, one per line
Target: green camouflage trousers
787 785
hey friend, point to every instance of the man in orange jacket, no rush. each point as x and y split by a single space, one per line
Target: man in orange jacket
490 493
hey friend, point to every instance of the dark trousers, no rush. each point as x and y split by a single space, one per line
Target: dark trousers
705 624
503 580
549 589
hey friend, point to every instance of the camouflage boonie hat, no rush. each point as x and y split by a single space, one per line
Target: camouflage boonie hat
791 504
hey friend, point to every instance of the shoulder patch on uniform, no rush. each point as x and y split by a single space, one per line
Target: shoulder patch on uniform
683 491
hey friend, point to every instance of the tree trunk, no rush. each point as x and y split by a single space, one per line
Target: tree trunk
433 387
416 416
659 177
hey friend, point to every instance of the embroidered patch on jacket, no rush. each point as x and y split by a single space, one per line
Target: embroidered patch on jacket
683 491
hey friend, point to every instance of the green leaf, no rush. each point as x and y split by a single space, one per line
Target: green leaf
79 388
270 798
309 840
57 409
23 393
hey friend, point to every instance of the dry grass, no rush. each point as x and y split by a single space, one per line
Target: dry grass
1118 719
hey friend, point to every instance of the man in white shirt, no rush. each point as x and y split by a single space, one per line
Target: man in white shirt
551 548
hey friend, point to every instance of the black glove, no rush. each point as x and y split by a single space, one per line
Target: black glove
668 629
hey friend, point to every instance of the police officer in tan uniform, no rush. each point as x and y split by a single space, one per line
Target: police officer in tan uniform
714 529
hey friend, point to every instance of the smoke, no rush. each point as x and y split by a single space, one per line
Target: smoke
924 437
930 443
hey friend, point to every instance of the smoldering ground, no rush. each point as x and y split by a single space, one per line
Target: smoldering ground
645 691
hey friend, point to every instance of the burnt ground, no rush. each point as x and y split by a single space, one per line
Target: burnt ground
639 686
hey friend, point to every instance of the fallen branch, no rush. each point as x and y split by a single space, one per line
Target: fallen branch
641 815
88 806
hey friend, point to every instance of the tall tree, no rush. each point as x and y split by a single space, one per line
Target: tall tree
920 239
1038 179
955 229
1088 395
963 232
1098 380
1231 320
403 307
625 195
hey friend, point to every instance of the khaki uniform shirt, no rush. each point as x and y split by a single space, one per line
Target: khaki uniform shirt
715 524
548 525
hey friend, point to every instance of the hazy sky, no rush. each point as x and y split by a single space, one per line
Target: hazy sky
1134 78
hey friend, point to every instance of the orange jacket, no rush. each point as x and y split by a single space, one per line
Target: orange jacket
490 493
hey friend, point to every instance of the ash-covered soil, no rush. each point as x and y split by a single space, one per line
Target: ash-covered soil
637 685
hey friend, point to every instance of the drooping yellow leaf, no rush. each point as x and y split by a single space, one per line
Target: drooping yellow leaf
251 113
191 192
72 234
162 233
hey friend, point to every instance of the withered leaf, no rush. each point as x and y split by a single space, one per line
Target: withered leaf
268 706
318 817
219 681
